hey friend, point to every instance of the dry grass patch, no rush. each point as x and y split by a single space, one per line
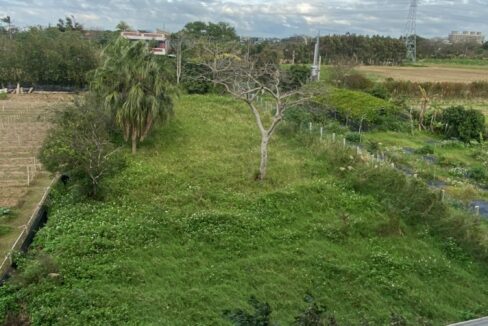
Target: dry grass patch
427 74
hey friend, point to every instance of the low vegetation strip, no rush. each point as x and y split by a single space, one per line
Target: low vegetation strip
185 228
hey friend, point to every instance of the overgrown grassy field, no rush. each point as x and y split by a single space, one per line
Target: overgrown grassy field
445 164
185 233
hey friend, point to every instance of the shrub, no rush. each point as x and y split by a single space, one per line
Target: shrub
478 173
297 117
80 146
458 171
359 109
3 96
464 124
353 137
380 91
296 77
260 317
4 211
191 80
373 146
357 81
425 150
313 316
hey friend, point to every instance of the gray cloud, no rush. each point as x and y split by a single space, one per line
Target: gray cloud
259 17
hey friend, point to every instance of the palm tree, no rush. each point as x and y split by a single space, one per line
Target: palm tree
134 86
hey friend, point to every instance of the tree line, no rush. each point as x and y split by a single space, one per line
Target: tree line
63 54
46 56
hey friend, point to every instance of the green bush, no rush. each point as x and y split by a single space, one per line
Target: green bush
464 124
296 76
260 317
357 81
4 211
297 117
478 173
353 137
359 109
80 146
380 91
192 81
3 96
425 150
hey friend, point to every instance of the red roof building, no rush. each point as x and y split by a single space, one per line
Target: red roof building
161 40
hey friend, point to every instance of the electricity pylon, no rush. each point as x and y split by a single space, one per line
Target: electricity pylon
411 32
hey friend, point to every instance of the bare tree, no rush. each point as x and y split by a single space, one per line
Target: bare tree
179 43
79 145
249 82
179 59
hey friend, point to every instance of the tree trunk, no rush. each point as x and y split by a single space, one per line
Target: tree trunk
134 143
18 89
178 62
94 189
264 157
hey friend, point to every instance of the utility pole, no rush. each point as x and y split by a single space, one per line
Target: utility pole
315 73
411 32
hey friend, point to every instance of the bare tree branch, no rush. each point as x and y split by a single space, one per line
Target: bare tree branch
245 80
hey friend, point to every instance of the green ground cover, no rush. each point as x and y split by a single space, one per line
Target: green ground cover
447 161
185 232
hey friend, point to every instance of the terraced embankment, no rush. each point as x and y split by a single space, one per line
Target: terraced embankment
24 122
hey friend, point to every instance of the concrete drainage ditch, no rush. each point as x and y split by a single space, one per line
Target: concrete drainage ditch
24 240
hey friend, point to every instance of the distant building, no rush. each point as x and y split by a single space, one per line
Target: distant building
466 37
160 38
258 40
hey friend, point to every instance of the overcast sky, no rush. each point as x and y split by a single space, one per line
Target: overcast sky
269 18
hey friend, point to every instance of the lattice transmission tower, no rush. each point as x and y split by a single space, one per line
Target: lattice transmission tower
410 33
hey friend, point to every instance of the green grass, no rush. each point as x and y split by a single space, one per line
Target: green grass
394 144
185 232
15 221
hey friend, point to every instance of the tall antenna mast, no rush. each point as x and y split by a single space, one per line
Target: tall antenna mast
411 32
315 74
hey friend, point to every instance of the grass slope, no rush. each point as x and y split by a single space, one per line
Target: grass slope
185 233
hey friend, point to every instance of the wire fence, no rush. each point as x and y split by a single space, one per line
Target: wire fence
381 158
27 229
